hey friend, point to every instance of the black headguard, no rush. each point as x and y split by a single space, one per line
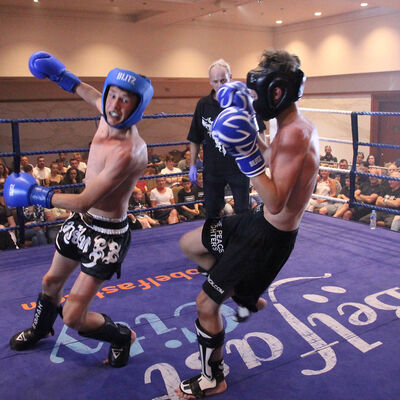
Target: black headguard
265 80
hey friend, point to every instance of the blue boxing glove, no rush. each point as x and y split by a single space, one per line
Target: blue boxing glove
22 190
43 65
193 174
236 93
234 129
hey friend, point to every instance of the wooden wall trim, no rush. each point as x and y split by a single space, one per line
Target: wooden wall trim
31 89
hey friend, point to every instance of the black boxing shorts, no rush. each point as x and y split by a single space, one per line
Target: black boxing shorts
249 254
99 243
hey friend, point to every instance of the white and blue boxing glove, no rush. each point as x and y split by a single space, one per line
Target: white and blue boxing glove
22 190
43 65
236 93
234 129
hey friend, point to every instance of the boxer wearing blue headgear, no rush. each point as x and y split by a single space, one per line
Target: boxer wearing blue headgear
274 71
117 159
130 82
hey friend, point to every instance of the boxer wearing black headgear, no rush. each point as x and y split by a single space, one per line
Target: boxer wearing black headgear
274 71
244 253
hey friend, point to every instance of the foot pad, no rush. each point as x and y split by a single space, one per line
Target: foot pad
197 386
118 356
26 339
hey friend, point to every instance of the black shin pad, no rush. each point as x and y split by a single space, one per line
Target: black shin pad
45 315
120 338
212 371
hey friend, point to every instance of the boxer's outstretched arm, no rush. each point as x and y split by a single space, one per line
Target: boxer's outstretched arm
90 95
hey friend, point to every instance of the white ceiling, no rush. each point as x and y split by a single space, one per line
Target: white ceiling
255 13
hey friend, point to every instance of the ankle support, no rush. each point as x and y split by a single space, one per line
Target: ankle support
207 345
45 315
110 332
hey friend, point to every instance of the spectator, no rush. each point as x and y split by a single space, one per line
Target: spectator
41 172
171 181
55 178
360 157
390 199
162 196
200 159
72 177
184 164
368 193
74 163
371 161
186 195
29 170
343 164
3 173
328 157
332 208
154 160
62 157
81 165
219 167
255 198
396 223
24 161
61 169
137 202
33 215
200 194
392 168
361 179
8 239
325 186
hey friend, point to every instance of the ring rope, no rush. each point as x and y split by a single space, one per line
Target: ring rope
66 119
345 112
83 150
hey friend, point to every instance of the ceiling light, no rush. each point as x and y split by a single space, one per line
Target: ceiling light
364 4
36 1
318 13
279 21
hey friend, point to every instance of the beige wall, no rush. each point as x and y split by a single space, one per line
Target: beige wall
91 47
364 50
338 126
345 46
363 42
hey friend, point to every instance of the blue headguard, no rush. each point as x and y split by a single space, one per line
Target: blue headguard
131 82
265 80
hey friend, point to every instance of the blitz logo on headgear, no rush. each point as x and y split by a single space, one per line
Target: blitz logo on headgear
122 76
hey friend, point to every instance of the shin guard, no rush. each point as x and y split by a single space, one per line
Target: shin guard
212 371
120 338
207 345
45 314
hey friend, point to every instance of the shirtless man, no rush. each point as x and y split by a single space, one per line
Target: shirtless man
97 234
244 253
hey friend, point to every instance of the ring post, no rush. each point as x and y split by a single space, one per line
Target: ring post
17 163
354 133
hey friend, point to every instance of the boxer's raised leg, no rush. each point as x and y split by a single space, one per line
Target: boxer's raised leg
193 248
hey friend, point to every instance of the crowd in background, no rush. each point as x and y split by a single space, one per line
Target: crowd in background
162 194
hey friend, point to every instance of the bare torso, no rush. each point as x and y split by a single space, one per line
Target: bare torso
293 161
126 153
